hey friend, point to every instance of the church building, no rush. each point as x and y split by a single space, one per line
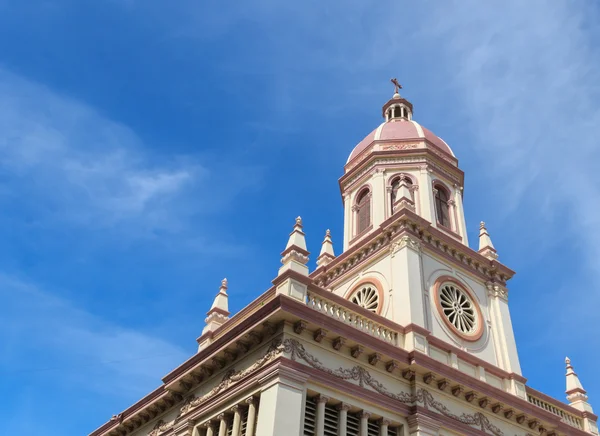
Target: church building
406 332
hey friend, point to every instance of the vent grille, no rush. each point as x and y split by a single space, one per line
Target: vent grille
332 422
310 412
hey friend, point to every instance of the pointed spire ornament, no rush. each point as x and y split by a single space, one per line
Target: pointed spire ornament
577 396
575 391
295 255
486 248
403 197
327 254
292 279
216 316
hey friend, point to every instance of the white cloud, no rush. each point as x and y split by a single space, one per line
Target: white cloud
45 336
83 167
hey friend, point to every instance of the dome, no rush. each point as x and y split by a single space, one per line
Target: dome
400 130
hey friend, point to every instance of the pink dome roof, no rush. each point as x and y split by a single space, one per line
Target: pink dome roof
400 130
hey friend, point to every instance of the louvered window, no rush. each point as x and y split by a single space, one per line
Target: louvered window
331 421
363 212
244 422
310 412
353 425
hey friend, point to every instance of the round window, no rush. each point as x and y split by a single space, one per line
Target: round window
367 297
459 310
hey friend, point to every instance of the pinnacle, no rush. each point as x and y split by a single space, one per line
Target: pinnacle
327 254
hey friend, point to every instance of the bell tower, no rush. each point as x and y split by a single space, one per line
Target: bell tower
389 170
406 253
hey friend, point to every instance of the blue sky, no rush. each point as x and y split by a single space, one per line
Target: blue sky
148 149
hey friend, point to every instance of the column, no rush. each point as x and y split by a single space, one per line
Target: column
237 419
321 400
343 418
222 424
251 402
460 211
282 403
364 423
383 427
210 428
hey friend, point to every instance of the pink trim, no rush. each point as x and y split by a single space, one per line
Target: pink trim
294 248
219 311
424 226
285 304
556 403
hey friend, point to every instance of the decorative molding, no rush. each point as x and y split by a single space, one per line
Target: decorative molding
300 326
360 375
495 290
319 335
338 342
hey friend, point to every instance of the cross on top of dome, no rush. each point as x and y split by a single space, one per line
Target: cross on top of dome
398 108
397 86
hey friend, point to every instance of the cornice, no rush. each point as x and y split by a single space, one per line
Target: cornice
406 156
422 234
161 399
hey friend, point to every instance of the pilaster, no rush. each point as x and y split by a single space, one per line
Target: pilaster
282 398
379 198
408 304
508 358
421 425
461 225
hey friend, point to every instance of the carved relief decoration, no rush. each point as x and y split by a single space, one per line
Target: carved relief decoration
399 146
360 375
230 378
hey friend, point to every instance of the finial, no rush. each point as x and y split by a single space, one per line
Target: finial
575 392
216 316
397 87
326 255
297 236
486 247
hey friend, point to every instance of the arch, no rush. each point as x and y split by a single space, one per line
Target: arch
394 184
364 283
441 198
363 210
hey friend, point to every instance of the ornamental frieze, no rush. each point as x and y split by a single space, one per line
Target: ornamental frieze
231 378
363 378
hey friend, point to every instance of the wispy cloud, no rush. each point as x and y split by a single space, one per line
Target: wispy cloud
83 167
46 336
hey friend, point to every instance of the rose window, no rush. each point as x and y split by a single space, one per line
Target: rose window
458 308
366 297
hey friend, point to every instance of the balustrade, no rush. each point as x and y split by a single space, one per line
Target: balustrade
345 314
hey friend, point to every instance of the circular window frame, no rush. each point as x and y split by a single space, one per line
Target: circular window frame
375 284
471 337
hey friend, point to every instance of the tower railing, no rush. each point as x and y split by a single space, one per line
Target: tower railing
565 416
343 310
